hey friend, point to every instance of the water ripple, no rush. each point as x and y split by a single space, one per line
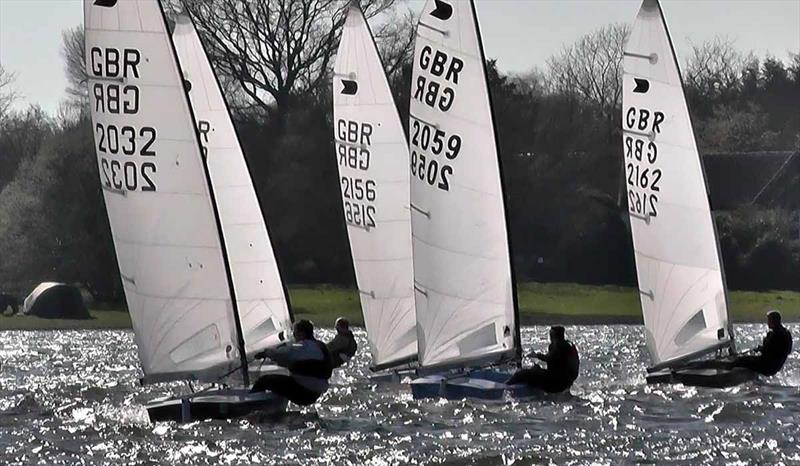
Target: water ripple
72 397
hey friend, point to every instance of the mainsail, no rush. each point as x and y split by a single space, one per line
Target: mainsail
681 282
372 156
465 292
158 197
260 294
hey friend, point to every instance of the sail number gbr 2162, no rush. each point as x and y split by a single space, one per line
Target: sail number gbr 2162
642 173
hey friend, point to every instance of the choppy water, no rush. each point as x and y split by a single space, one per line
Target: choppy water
72 397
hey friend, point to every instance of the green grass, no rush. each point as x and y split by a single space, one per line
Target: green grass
573 303
100 319
540 303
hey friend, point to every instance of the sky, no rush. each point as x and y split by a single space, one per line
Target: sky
521 34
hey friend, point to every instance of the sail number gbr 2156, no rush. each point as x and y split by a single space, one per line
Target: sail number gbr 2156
353 145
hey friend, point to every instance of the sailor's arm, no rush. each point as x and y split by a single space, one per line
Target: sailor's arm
282 355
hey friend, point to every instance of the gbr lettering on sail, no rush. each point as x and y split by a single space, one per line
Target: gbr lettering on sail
127 155
434 150
642 171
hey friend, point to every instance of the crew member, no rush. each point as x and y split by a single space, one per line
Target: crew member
562 366
773 350
343 346
309 365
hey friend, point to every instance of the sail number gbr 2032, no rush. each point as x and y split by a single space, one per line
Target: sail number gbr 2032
126 153
642 174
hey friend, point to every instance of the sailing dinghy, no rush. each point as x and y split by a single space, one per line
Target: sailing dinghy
372 156
197 267
467 318
681 280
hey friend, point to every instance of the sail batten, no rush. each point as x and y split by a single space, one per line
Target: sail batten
679 268
372 160
466 304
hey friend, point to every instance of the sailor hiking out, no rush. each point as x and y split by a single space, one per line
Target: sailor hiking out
309 365
562 369
343 346
772 352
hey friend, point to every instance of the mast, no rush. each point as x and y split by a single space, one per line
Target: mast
684 296
467 308
517 324
406 361
732 343
247 165
372 164
223 248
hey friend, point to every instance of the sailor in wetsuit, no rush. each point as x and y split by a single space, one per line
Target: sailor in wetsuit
343 346
562 366
309 365
774 349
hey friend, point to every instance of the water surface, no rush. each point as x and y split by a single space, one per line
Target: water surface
72 397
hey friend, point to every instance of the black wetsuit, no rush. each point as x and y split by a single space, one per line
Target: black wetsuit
342 348
774 350
309 373
563 365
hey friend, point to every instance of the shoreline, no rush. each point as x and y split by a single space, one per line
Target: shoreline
539 304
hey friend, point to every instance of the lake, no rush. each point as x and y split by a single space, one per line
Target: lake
72 397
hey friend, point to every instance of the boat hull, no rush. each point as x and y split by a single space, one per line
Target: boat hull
486 385
217 404
709 378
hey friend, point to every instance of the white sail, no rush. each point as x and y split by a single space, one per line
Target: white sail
157 197
465 292
262 303
372 156
680 275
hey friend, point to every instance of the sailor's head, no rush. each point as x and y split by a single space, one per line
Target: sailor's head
303 330
557 333
342 324
773 318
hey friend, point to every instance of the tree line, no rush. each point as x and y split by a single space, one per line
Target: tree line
558 130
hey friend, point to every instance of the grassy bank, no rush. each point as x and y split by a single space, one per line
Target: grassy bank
540 303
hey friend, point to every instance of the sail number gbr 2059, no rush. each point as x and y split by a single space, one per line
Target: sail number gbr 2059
642 174
431 151
126 153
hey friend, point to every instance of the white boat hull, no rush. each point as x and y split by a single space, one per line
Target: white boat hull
709 378
217 404
480 385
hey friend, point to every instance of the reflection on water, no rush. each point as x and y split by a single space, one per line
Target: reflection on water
72 397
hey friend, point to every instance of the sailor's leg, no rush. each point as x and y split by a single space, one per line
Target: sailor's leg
531 376
753 363
287 387
710 364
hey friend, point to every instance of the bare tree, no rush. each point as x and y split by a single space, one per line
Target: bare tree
7 93
74 53
591 68
716 67
275 49
395 39
533 81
